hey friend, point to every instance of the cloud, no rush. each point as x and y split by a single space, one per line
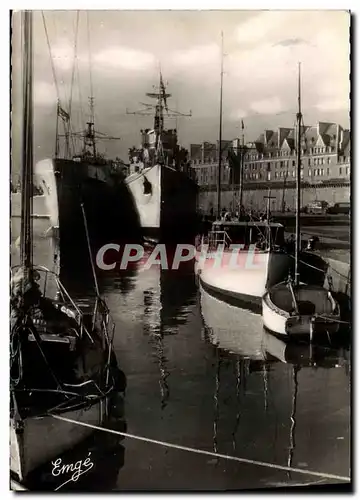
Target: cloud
125 58
291 41
45 94
200 55
238 114
268 106
332 105
63 55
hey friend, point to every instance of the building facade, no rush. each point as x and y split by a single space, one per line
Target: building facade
270 161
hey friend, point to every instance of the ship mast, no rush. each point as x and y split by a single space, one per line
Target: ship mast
159 93
298 182
220 129
26 257
89 136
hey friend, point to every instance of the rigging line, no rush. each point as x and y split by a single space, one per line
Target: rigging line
80 95
89 47
205 452
73 75
52 64
51 57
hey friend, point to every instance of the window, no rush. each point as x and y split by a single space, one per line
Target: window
322 172
328 171
347 170
293 173
340 171
329 159
302 174
309 172
276 175
309 162
314 171
293 163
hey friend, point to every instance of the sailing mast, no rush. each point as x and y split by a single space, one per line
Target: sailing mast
298 182
26 256
220 129
241 180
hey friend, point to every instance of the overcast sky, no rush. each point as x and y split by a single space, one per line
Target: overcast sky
262 51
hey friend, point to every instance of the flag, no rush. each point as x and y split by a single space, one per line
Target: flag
63 114
163 91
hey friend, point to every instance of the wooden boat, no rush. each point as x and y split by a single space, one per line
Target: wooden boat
304 310
239 260
250 340
61 358
292 308
62 363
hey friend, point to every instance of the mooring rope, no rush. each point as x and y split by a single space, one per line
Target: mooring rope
205 452
322 270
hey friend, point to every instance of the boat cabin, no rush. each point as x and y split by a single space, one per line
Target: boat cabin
264 235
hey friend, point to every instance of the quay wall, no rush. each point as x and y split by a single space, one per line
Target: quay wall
253 198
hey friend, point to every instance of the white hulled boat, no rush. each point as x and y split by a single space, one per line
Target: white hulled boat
239 260
292 308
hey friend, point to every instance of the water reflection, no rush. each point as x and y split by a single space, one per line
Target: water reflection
105 451
203 374
258 357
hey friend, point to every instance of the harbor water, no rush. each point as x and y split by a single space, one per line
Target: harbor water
205 375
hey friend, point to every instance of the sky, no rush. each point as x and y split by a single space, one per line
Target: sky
126 49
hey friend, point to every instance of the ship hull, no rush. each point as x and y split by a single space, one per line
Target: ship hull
79 192
43 438
166 201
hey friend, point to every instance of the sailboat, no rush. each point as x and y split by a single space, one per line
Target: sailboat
160 179
62 363
84 178
239 259
292 308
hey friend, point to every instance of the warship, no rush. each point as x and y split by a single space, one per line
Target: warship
161 179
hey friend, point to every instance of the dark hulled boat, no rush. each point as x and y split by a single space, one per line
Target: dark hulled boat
80 182
161 180
62 363
92 186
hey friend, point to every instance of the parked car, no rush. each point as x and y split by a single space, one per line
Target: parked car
340 208
316 207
